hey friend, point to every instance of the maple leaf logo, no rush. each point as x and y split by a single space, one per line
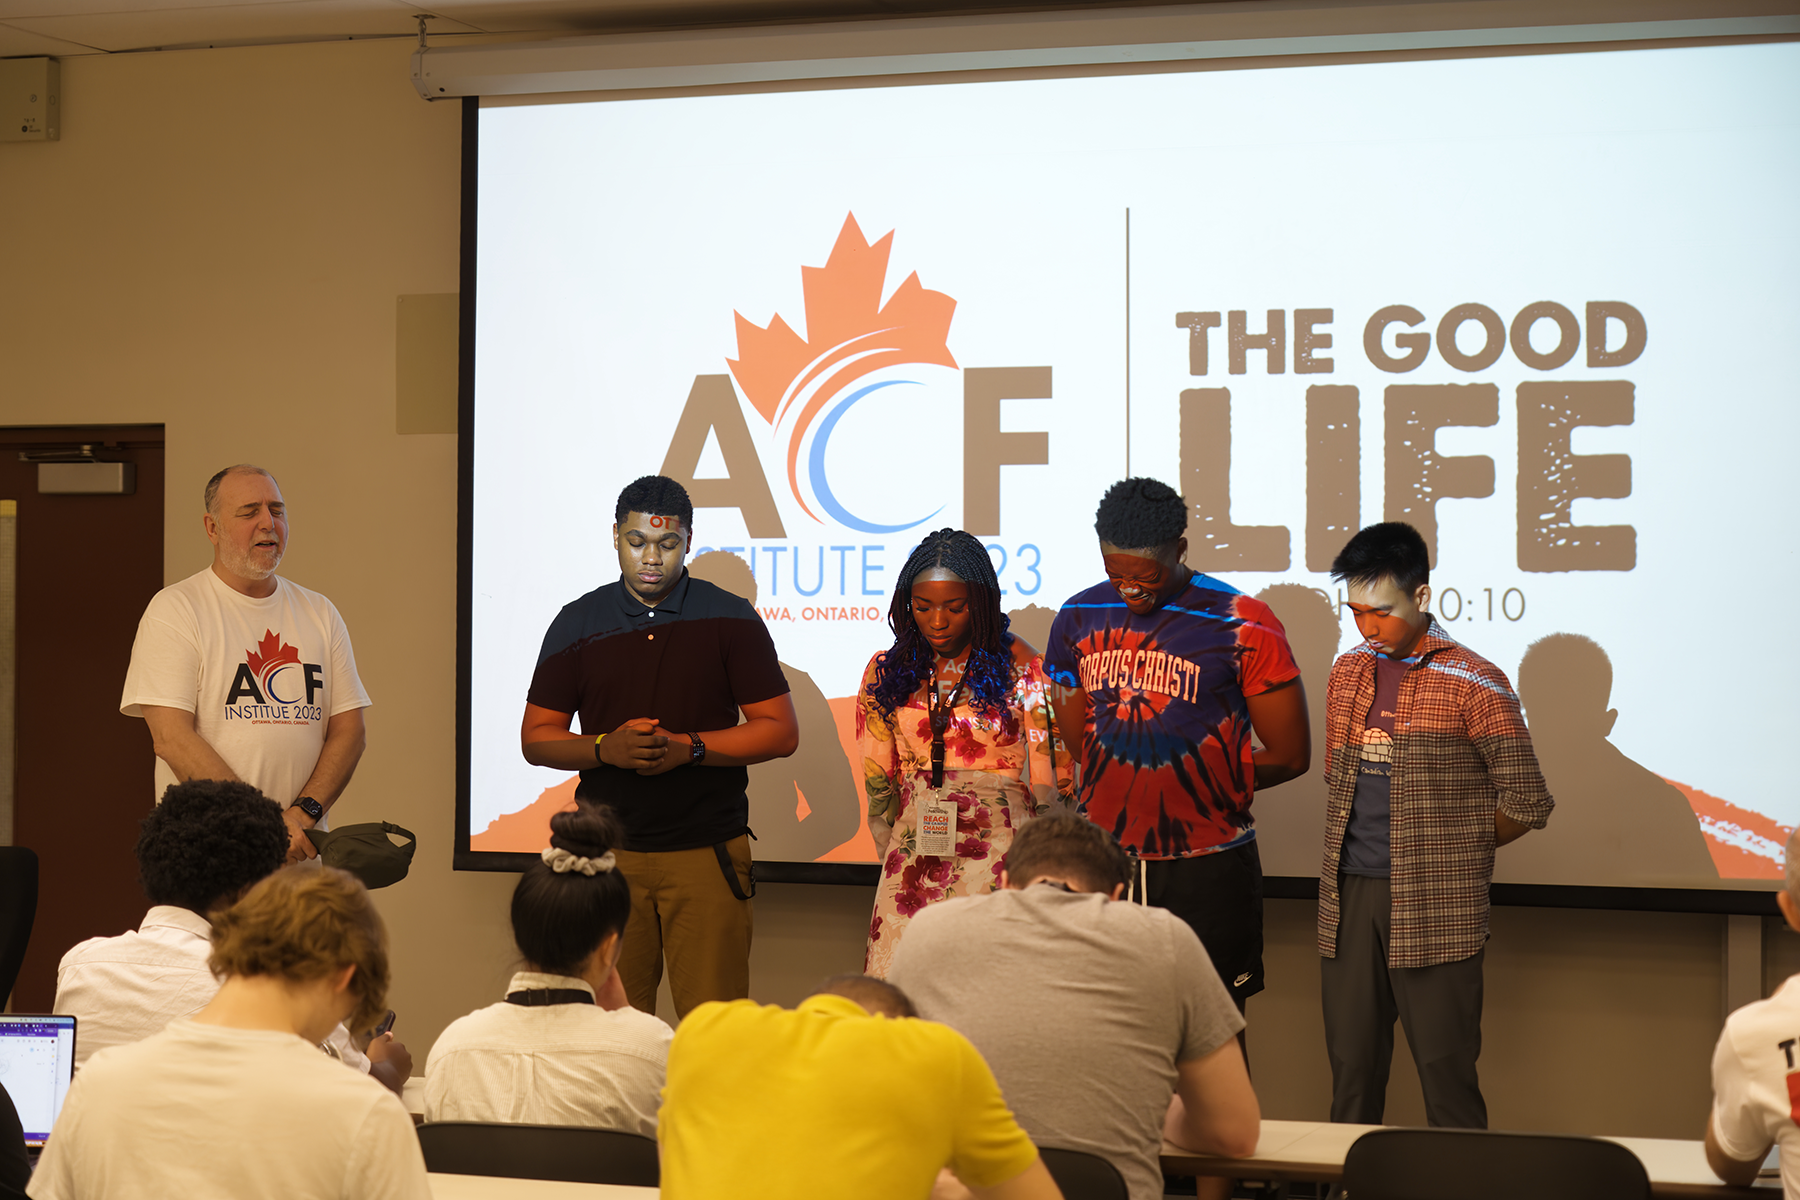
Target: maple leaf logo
273 653
849 333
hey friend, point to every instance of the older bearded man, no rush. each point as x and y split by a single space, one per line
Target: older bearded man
242 674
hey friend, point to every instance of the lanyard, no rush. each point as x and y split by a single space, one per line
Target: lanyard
940 711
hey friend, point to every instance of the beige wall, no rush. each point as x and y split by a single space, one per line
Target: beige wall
217 245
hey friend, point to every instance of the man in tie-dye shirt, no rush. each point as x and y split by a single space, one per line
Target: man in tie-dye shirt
1428 767
1163 674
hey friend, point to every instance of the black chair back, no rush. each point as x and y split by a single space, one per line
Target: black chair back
18 911
1084 1176
1475 1164
565 1152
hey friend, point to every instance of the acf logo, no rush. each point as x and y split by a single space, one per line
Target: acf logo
806 388
272 674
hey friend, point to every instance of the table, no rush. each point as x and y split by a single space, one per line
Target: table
1290 1151
1296 1151
1678 1168
1313 1152
489 1187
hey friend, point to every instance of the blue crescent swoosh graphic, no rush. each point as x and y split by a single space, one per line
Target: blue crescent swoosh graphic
815 465
269 685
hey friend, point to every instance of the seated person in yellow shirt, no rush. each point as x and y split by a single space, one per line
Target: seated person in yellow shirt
847 1096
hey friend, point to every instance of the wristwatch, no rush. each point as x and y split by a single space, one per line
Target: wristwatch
696 752
311 808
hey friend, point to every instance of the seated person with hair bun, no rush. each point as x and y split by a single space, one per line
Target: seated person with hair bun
236 1101
564 1047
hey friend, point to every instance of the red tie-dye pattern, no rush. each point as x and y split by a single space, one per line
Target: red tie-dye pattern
1168 745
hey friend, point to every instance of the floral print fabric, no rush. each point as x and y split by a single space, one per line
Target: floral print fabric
999 772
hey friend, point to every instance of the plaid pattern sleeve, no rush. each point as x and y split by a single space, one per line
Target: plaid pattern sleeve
1461 751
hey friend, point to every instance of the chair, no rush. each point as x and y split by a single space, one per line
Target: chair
18 911
1474 1164
1084 1176
569 1153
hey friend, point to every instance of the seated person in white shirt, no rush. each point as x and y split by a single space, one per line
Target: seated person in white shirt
565 1047
1754 1071
198 851
236 1100
1144 1031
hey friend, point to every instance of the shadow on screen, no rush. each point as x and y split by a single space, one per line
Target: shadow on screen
806 805
1033 624
1616 822
1290 818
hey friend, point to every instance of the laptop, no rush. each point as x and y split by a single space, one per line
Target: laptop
37 1061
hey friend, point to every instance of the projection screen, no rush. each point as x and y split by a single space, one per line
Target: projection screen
1533 305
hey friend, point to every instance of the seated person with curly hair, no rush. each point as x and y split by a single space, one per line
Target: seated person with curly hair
237 1100
565 1047
203 847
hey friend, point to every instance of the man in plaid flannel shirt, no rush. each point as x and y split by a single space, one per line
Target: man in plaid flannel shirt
1428 767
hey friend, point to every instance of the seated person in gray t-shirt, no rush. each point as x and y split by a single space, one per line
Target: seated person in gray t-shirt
1103 1021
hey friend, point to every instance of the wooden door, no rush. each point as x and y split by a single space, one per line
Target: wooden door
86 566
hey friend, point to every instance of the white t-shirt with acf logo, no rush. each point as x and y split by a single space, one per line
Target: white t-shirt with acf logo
262 677
1756 1082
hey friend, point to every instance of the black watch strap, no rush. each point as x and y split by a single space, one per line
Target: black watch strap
311 808
696 752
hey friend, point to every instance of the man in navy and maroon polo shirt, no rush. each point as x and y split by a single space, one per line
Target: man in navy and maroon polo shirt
659 665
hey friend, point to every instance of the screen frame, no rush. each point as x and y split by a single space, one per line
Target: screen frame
1758 901
37 1144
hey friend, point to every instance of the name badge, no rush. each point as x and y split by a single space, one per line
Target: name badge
936 831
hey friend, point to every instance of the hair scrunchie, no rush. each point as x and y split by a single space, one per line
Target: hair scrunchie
562 862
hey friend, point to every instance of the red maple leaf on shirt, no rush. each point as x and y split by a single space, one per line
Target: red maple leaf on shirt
274 652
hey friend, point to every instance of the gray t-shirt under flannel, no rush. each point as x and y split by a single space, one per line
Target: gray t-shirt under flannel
1082 1007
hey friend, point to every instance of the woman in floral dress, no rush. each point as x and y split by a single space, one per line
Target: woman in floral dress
943 829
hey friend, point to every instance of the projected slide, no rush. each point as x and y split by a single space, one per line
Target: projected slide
1537 306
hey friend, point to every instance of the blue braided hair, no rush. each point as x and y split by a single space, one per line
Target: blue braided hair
899 671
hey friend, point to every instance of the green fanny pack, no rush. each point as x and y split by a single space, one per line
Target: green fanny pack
366 851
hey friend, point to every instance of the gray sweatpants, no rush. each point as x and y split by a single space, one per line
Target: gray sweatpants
1439 1007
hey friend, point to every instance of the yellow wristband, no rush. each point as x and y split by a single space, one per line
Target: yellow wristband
597 742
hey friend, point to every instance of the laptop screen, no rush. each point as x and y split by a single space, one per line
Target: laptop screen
37 1060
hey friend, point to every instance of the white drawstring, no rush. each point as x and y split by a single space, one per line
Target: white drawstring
1138 890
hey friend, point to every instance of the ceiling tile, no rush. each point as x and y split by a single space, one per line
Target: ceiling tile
22 43
9 9
236 23
82 26
573 15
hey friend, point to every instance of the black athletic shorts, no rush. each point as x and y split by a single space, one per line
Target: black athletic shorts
1220 896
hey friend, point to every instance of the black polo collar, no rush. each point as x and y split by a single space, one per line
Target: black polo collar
635 609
